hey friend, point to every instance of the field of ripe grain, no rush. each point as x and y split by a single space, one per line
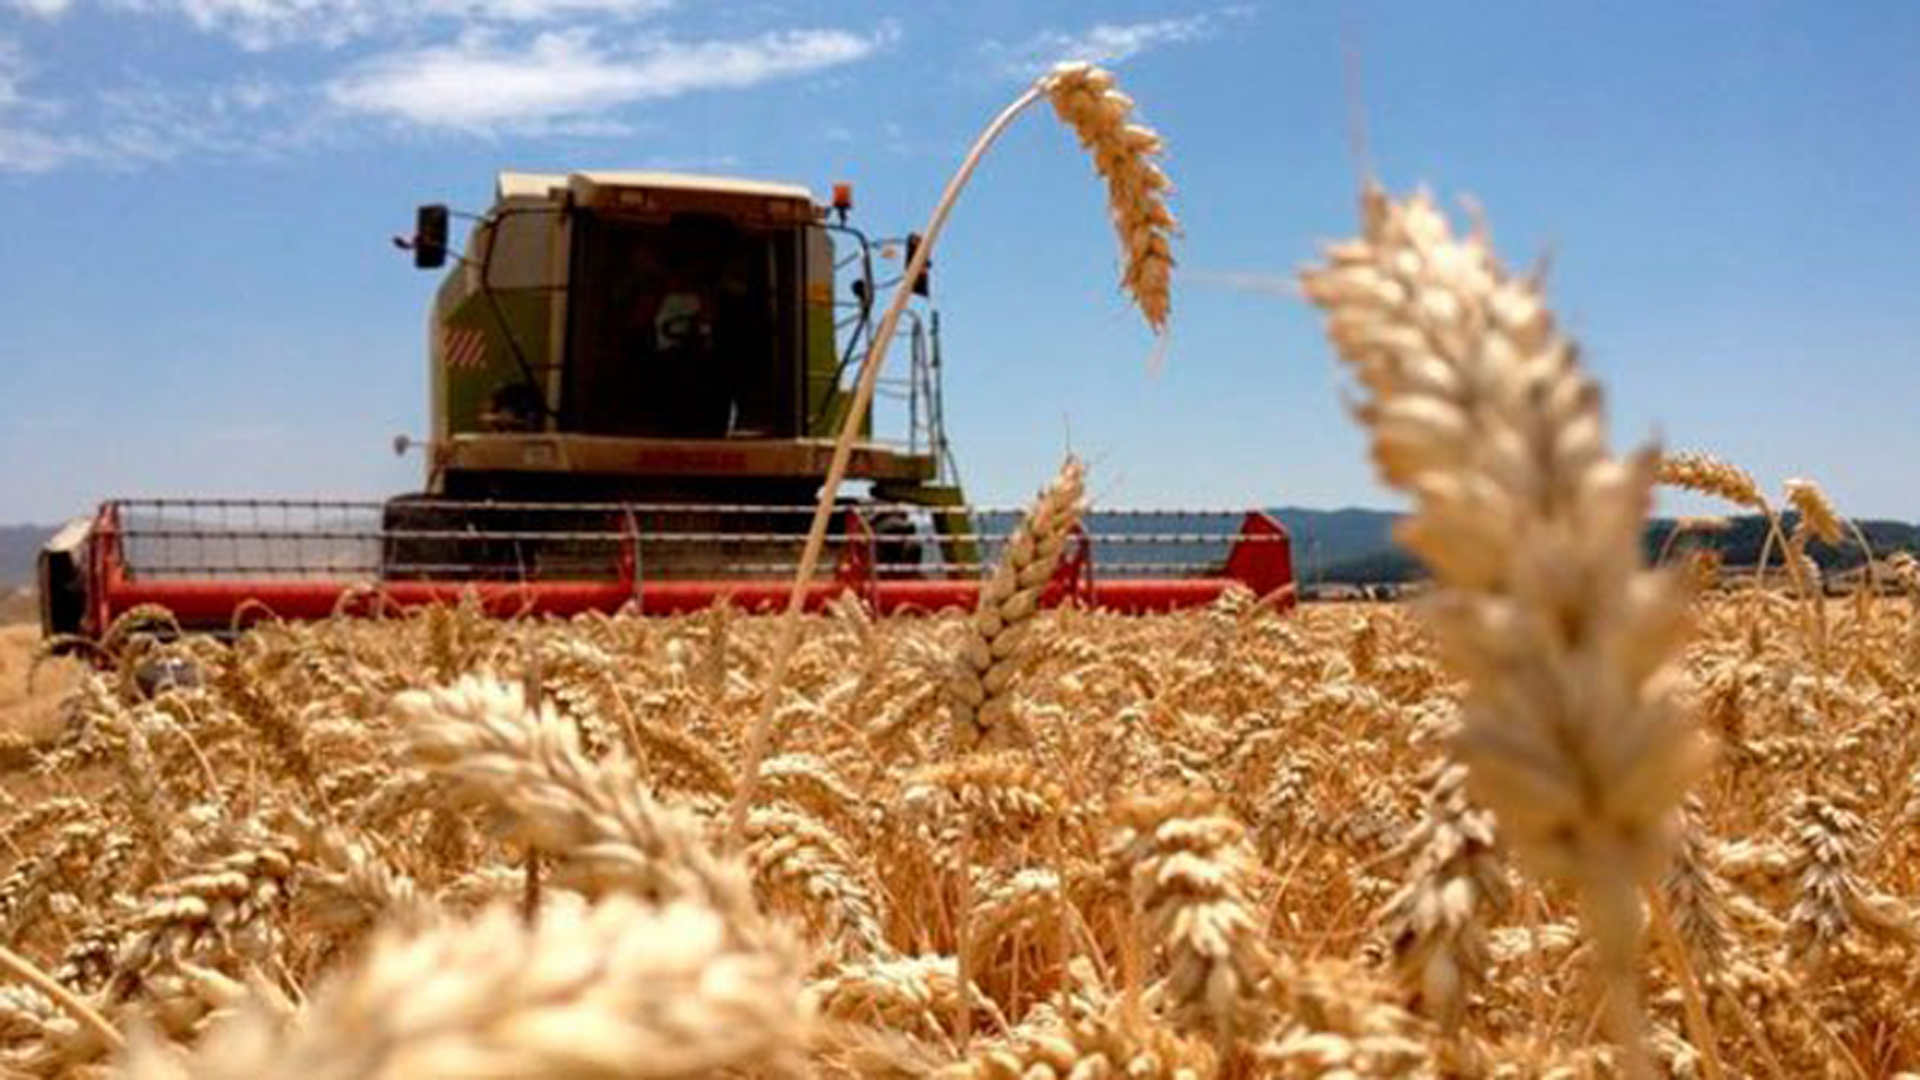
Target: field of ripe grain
1233 845
29 696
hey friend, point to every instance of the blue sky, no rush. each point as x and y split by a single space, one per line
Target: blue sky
196 197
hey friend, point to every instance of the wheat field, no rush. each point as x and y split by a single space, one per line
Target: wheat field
1234 845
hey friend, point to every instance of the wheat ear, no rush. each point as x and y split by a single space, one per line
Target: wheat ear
1086 99
1818 516
1455 886
1477 406
1906 572
1816 511
596 818
1193 876
979 690
15 966
619 990
1709 475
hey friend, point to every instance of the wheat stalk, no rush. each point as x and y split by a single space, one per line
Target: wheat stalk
1697 896
1709 475
1339 1022
918 994
1832 899
1128 151
1477 406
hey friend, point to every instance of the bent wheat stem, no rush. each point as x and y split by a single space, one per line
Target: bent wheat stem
1139 214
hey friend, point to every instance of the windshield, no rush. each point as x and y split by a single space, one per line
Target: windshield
682 329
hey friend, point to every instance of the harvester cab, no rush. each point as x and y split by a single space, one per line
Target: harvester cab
635 380
671 345
604 333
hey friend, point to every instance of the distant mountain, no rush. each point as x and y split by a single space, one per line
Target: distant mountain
1340 533
1743 538
1356 546
1349 544
18 546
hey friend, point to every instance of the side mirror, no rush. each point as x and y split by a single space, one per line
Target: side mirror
430 237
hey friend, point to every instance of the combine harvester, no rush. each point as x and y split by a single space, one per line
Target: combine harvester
635 382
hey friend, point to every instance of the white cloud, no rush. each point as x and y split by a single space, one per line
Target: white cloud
542 10
264 24
267 24
250 95
46 9
1112 43
535 68
142 121
13 72
26 143
29 151
1107 43
477 83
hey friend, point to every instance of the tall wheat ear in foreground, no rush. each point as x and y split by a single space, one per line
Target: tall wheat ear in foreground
1478 408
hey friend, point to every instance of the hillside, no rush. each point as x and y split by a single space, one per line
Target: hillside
1357 546
1334 536
1741 542
18 543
